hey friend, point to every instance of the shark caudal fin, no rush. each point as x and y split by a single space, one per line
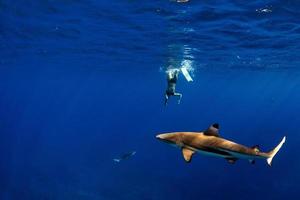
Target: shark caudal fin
274 151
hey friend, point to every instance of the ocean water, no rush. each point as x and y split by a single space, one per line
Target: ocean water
83 81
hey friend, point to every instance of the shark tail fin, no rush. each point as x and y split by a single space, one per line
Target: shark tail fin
272 153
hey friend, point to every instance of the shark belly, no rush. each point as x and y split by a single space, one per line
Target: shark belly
209 151
245 156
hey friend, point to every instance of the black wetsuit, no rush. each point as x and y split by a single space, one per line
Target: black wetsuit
171 86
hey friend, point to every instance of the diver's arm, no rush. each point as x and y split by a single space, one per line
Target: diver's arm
169 76
176 73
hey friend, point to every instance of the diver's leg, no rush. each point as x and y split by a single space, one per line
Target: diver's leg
166 99
179 95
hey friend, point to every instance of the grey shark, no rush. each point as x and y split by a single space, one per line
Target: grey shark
210 143
125 156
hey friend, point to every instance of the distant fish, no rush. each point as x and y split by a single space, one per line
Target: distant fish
264 10
125 156
180 1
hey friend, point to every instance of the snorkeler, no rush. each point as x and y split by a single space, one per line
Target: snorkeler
172 77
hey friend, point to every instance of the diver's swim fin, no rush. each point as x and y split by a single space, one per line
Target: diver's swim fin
186 74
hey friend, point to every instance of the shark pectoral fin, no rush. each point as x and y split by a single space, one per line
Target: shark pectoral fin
213 130
187 154
231 160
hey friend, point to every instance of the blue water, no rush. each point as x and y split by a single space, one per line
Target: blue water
82 82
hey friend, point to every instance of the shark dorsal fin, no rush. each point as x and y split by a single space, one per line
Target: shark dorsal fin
187 154
256 148
213 130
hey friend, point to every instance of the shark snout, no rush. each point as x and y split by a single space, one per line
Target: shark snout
165 137
160 137
169 138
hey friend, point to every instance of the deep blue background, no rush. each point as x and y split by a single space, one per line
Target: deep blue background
82 82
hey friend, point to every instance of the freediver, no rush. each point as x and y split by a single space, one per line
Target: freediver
172 77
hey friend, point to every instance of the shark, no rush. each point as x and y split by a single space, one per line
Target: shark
209 142
125 156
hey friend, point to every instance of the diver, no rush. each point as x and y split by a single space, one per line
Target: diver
172 77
